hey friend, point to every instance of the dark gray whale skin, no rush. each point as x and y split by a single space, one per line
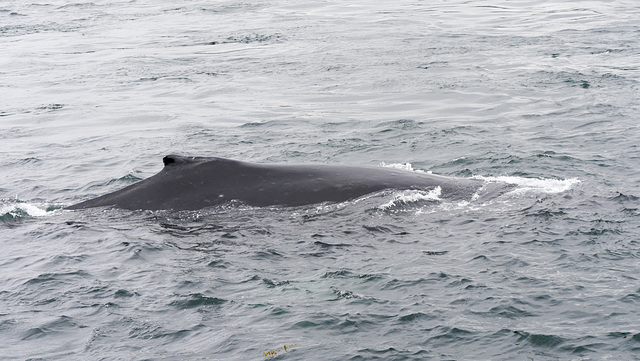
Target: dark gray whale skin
191 183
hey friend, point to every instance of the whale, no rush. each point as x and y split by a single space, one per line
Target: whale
193 183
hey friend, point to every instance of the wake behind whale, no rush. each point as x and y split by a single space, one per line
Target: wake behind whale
192 183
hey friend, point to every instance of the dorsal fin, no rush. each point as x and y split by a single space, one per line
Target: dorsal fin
173 160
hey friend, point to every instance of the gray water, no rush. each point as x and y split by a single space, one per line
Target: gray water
540 94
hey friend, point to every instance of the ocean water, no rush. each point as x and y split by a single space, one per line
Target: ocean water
543 95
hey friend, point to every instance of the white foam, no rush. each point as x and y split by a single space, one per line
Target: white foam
523 187
20 209
412 196
403 166
541 185
535 185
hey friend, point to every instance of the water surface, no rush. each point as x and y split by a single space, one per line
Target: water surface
541 94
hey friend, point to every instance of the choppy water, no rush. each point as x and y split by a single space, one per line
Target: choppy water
542 94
